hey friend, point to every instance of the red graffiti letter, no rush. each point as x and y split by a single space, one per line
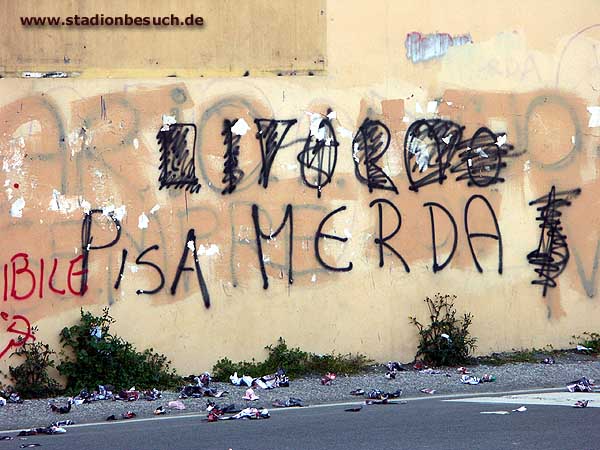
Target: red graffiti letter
19 271
83 288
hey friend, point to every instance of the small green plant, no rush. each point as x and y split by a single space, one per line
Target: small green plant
31 378
446 341
294 361
588 339
534 355
99 357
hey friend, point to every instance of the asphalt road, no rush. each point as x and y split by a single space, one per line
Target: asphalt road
418 424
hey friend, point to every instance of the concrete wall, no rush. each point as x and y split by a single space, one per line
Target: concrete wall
528 72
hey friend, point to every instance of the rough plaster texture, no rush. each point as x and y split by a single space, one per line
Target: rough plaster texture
74 144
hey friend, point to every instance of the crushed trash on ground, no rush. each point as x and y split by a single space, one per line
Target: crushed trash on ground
250 395
428 391
328 378
291 402
581 404
582 385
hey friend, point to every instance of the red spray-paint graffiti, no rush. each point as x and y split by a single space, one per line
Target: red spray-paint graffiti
19 327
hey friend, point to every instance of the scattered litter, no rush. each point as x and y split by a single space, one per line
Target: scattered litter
153 394
62 423
6 438
463 370
160 411
357 392
391 375
288 403
487 378
376 394
466 379
495 412
395 366
130 395
249 413
430 371
250 395
62 409
176 404
13 397
581 348
2 401
128 415
385 401
328 378
102 393
582 385
218 410
520 409
581 404
275 380
549 360
244 381
428 391
42 430
200 390
356 409
419 365
29 445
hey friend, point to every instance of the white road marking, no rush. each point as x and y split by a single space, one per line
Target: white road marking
546 398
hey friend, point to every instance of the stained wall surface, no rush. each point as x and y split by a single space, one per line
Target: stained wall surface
429 126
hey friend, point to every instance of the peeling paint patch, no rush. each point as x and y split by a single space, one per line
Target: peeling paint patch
421 48
118 213
240 127
432 107
344 132
67 205
315 129
16 209
167 122
44 75
143 221
595 116
209 250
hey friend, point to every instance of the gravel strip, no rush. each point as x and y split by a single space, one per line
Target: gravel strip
36 413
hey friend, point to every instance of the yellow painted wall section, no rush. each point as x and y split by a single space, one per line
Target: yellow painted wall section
530 76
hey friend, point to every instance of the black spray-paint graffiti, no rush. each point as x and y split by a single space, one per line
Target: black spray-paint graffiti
177 168
189 246
368 147
271 134
319 156
430 147
552 254
232 174
289 215
496 236
381 241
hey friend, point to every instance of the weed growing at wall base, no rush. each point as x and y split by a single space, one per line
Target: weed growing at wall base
294 361
589 340
31 378
446 340
99 358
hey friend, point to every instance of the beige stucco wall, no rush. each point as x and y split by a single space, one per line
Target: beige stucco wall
531 71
